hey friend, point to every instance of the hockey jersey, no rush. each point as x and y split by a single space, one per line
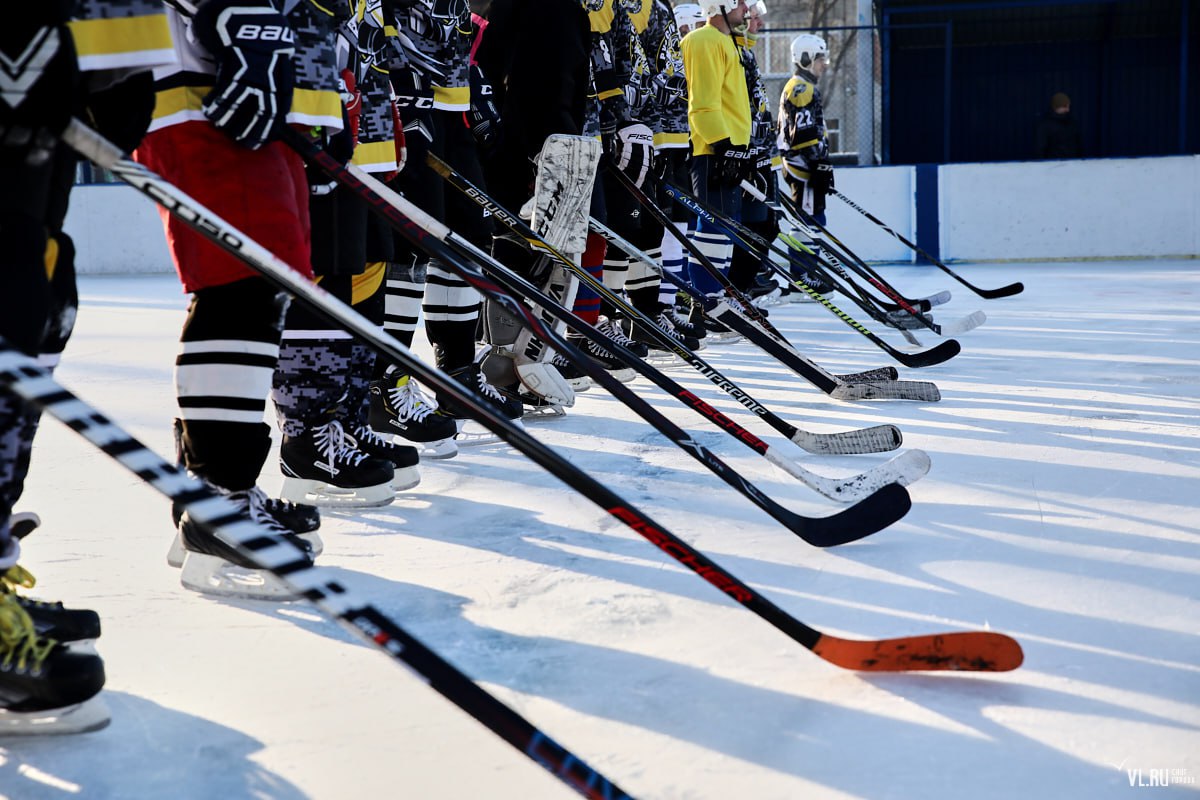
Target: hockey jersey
438 36
121 34
660 41
718 101
802 125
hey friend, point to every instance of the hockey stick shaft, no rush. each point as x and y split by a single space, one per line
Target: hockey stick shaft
519 227
856 388
285 560
662 219
1003 291
935 355
976 651
760 249
871 514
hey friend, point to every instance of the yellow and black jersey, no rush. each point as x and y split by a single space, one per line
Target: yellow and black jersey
121 34
802 124
660 40
441 31
718 101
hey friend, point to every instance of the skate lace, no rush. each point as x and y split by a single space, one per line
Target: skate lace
488 390
671 330
256 505
20 647
410 402
372 437
614 332
335 444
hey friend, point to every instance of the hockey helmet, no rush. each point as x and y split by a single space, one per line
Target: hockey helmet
689 15
807 48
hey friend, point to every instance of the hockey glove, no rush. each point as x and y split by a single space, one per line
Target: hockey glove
40 77
253 47
668 89
633 153
820 177
483 118
731 163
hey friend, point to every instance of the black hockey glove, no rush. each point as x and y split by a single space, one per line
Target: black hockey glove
483 117
731 163
253 46
39 81
633 151
820 177
668 89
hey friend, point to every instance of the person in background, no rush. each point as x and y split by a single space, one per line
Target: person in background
1057 132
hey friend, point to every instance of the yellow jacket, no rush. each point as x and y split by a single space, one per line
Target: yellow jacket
718 102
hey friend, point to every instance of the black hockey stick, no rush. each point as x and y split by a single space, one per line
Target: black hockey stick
973 650
901 312
838 490
1003 291
873 513
935 355
839 257
751 311
284 559
874 385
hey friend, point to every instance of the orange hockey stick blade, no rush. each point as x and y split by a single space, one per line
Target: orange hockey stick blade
975 651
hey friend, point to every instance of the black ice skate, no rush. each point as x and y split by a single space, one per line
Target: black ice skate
324 467
295 518
212 567
52 620
402 457
45 686
471 433
398 406
593 350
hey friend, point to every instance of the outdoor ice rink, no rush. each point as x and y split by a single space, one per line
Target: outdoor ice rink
1061 508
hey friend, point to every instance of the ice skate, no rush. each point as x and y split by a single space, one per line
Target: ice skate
324 467
398 406
470 432
51 619
296 518
576 378
45 686
212 567
593 350
404 458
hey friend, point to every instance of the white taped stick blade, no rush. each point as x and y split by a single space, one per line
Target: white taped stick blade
563 190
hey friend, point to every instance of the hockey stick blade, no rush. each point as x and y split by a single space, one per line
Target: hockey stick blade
881 374
1003 291
966 651
927 358
904 469
921 391
878 439
870 515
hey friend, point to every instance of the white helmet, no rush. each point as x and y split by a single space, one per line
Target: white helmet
716 9
806 48
689 15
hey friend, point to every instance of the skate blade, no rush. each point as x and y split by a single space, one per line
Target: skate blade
406 478
661 359
91 715
580 384
177 554
472 434
728 337
326 495
544 412
216 576
624 375
439 449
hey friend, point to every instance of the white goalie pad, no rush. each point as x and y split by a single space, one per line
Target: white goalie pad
545 381
562 193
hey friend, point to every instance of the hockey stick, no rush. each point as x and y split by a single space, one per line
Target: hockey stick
972 650
902 313
1003 291
660 216
873 513
935 355
846 489
290 565
874 385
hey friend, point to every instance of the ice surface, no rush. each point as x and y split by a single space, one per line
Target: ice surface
1061 509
